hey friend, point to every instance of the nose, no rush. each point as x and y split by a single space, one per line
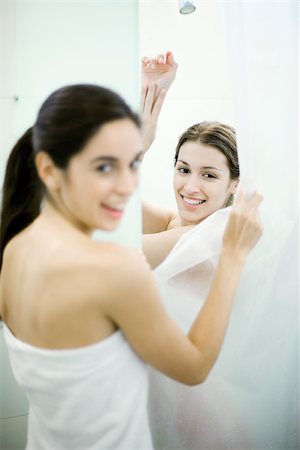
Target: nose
126 183
192 185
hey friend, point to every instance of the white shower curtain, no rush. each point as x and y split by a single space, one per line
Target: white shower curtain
251 398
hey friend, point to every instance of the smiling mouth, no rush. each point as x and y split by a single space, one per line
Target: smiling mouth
192 201
114 208
116 212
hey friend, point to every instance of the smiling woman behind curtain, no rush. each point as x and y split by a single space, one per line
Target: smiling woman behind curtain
251 398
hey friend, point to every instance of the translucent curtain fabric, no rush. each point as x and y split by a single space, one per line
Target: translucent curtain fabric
251 398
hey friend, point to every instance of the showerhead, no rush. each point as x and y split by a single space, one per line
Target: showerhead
186 6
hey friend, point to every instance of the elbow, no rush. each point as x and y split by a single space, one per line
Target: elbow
198 373
195 381
196 370
196 378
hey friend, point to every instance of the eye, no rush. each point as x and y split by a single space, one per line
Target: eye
105 168
209 175
135 165
183 170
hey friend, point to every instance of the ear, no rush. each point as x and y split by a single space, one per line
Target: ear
234 186
47 171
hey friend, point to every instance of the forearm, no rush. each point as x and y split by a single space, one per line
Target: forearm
208 330
150 111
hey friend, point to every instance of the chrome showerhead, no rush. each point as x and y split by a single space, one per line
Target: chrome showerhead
186 6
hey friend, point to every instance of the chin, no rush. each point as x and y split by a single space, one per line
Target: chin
109 227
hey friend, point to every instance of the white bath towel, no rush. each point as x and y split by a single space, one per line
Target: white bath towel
88 398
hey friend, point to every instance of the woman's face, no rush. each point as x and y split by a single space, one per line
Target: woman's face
98 182
202 182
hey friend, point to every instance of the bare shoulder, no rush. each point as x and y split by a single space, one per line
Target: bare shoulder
121 282
119 267
122 264
102 257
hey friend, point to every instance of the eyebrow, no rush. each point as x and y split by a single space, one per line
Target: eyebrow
113 158
205 167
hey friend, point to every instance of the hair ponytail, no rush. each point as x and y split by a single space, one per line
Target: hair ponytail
22 191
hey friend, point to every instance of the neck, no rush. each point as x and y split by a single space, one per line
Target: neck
54 212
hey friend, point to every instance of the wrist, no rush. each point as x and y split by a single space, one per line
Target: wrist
232 257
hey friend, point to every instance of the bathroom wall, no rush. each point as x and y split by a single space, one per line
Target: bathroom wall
45 44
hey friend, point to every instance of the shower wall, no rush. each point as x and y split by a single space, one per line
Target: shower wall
45 44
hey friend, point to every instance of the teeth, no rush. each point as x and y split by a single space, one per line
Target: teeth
192 201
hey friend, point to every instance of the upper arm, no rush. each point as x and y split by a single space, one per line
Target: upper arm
136 308
157 246
155 219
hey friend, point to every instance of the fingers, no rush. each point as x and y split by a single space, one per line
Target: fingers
254 202
244 227
239 200
145 61
160 59
170 59
249 203
157 60
152 63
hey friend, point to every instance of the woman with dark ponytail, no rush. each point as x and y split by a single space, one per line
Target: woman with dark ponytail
83 318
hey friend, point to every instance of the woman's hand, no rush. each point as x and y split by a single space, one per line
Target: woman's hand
160 70
244 227
157 76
